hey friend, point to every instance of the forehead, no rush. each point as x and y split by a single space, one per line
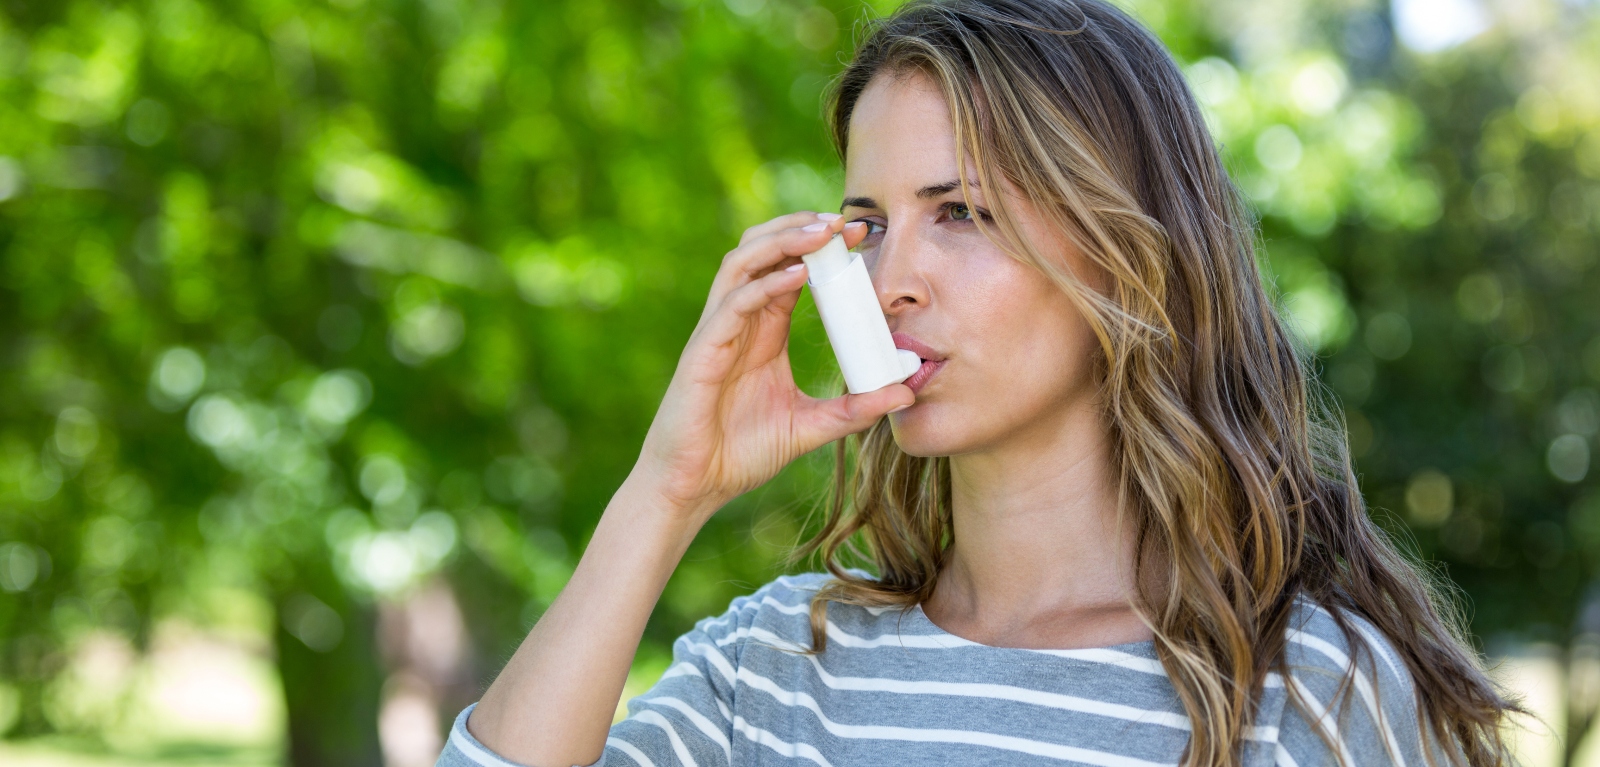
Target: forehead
900 135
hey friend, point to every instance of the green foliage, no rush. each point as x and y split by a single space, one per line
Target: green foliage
318 299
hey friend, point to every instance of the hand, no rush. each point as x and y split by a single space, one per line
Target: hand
732 416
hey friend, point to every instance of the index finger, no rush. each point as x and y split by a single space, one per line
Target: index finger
752 260
780 223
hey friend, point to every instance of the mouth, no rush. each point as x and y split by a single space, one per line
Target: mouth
932 360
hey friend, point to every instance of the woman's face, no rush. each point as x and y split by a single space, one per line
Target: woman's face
1016 353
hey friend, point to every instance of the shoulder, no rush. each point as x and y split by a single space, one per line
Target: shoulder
778 613
784 592
1322 640
1349 696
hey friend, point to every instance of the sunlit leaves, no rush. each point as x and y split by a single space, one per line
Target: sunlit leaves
385 559
84 72
569 272
1308 149
336 397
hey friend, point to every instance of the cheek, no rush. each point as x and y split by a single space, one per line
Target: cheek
1025 357
1023 334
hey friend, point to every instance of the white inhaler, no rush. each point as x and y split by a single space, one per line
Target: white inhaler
856 328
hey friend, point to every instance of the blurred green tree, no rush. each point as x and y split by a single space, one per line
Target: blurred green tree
317 302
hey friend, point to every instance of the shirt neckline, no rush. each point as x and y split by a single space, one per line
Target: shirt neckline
1144 647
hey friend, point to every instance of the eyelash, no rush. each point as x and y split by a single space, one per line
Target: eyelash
983 214
874 227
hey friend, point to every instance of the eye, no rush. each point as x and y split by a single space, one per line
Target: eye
958 211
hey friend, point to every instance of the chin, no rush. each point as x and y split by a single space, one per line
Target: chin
932 429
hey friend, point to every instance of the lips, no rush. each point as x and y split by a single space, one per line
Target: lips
920 378
932 360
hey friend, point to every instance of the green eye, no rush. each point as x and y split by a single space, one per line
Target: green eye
959 212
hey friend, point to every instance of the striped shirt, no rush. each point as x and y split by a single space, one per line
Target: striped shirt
893 688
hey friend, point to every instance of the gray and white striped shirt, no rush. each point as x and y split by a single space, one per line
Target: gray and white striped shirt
893 688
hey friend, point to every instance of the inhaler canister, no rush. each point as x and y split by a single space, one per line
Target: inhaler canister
856 328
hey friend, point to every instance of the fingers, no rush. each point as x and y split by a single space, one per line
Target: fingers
729 319
830 419
784 247
789 221
755 258
854 232
761 253
776 244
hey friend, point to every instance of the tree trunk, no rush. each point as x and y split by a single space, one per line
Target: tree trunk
332 696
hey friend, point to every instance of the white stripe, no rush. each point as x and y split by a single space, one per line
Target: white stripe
678 748
793 583
921 735
950 641
710 653
791 750
1019 695
767 637
1320 713
681 669
1377 644
1381 649
947 641
1362 686
1262 733
697 719
629 749
473 751
999 692
1282 757
911 641
1111 657
800 609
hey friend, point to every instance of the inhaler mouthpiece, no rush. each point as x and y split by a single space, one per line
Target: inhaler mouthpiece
856 328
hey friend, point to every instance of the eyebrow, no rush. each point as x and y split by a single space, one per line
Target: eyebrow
926 193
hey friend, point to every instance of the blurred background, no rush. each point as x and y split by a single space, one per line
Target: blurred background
328 327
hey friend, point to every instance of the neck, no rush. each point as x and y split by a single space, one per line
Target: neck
1039 558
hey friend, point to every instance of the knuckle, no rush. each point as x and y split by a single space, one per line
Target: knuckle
750 296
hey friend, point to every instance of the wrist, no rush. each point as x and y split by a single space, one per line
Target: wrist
641 534
645 510
645 490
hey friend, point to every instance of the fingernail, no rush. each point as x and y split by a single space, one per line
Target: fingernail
814 227
796 267
855 224
829 216
902 407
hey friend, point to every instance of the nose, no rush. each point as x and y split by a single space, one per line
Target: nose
897 274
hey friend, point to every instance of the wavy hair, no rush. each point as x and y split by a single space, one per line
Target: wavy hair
1233 467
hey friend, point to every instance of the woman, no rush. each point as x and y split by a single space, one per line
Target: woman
1106 522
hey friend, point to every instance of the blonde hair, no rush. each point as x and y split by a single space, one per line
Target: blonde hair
1232 471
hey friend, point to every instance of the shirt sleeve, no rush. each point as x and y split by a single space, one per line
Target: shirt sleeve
463 750
1333 718
685 719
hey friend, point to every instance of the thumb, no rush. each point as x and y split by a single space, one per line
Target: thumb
831 419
